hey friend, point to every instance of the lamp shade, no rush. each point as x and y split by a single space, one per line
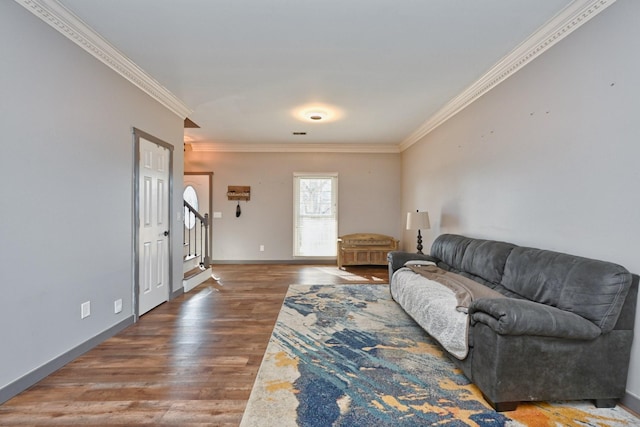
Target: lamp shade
418 221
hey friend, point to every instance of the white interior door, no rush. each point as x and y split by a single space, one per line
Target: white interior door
153 250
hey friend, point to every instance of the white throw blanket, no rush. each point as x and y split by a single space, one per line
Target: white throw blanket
433 306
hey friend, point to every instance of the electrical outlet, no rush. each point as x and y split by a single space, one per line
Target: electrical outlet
85 309
117 306
261 248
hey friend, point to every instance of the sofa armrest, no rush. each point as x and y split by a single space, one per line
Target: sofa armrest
398 258
509 316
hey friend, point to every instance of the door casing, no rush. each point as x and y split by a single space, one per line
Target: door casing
137 135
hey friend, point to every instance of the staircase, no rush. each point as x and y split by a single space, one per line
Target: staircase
197 261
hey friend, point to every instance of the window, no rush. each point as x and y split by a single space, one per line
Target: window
190 197
315 205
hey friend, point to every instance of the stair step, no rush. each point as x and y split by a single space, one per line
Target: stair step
192 272
190 262
194 277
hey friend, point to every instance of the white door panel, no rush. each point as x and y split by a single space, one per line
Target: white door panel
154 227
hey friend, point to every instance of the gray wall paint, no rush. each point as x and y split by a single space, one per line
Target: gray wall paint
67 191
368 194
549 158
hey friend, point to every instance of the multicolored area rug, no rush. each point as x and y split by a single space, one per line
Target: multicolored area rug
348 355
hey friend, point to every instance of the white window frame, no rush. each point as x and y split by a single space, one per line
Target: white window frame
331 241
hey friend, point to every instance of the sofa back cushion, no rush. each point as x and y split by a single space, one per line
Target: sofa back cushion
449 248
593 289
484 259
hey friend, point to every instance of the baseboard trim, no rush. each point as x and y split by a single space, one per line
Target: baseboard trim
631 402
175 294
48 368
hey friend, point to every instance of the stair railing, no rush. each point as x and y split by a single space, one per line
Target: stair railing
197 247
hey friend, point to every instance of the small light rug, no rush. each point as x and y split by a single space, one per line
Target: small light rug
348 355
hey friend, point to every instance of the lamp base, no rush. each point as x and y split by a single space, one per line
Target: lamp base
419 247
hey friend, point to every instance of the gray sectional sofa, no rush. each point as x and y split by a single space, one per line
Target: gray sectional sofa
561 329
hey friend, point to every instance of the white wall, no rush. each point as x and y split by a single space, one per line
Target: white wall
549 158
66 191
367 190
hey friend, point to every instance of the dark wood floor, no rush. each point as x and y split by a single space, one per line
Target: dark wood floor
189 362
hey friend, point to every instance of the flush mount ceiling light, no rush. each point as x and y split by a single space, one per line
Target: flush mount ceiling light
316 116
317 113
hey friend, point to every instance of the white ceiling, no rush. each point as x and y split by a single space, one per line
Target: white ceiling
380 68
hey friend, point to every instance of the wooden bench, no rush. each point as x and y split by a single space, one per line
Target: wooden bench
365 249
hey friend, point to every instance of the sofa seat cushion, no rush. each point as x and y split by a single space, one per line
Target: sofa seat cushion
433 307
465 289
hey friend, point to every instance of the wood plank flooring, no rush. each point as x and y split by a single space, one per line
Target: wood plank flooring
189 362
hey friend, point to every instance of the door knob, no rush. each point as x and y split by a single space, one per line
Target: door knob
166 233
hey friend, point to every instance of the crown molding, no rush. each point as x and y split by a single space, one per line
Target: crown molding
72 27
564 23
560 26
294 148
